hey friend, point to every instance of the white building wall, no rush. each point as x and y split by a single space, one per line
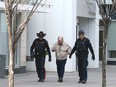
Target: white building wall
60 21
22 50
88 20
86 8
91 32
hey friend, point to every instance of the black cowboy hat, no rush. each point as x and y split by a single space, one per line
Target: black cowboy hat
41 34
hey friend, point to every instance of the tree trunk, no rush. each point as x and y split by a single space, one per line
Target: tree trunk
104 56
13 36
11 60
104 66
10 44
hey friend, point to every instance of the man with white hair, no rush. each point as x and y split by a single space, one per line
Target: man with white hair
61 50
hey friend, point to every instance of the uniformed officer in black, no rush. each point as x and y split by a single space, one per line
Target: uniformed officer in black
81 47
38 50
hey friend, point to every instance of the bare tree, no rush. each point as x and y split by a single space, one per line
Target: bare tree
12 9
107 9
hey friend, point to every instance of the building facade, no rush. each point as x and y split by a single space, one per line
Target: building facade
20 54
65 18
62 20
20 60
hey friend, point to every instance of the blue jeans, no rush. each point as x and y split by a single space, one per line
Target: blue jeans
61 67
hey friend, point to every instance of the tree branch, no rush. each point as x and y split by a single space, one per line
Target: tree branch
15 6
24 23
99 3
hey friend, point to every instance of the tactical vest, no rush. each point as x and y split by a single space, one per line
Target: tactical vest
40 46
81 45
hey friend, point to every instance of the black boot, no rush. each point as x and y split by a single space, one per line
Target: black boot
60 80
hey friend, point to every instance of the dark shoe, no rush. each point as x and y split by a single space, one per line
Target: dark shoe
41 80
79 81
60 80
84 82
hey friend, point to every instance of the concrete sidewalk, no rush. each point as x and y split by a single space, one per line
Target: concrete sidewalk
29 79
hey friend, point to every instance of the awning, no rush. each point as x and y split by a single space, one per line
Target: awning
43 8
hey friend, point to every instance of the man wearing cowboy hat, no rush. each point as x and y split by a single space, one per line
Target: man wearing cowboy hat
39 48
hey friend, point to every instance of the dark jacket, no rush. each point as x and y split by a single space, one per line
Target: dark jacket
40 47
84 50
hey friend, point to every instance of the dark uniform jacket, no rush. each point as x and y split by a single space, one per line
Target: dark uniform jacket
81 47
40 47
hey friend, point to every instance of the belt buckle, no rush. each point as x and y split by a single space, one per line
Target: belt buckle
37 53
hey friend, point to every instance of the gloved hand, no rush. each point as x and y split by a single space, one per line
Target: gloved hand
49 59
32 56
93 58
70 56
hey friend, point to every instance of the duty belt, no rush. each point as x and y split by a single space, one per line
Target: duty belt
40 53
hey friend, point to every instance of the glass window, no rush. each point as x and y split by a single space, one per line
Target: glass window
112 40
112 54
3 37
4 41
111 36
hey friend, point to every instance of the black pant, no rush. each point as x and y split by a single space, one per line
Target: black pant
82 67
61 67
40 63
